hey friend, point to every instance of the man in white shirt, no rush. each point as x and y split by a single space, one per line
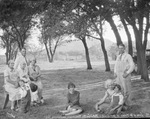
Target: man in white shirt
122 71
21 58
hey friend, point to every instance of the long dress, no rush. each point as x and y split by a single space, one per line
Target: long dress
35 70
124 63
10 88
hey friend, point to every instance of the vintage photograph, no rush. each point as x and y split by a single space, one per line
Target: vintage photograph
74 59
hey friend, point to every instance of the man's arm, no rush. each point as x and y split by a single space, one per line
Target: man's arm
131 64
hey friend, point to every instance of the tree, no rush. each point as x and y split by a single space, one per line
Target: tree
34 50
53 30
9 43
108 13
135 12
94 11
16 18
130 49
101 38
78 26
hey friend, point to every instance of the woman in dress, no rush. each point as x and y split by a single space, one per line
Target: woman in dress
11 79
35 73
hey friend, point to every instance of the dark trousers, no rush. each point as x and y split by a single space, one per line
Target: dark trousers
25 103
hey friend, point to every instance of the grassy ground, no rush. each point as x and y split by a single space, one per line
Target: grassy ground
90 85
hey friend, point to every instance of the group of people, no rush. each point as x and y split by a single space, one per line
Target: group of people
118 91
22 82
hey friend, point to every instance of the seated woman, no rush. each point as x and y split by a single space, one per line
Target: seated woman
23 75
11 79
105 101
73 101
34 74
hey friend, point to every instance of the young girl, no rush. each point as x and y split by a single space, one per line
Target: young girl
24 91
73 101
105 101
117 101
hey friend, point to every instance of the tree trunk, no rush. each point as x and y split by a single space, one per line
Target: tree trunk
146 30
6 54
115 30
47 52
141 59
107 65
130 49
100 33
52 58
89 66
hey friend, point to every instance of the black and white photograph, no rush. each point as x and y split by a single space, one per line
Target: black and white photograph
74 59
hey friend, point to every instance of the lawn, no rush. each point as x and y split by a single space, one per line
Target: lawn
90 84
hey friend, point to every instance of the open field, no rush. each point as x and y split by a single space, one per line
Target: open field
90 84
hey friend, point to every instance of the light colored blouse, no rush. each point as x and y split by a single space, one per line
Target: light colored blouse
12 75
127 61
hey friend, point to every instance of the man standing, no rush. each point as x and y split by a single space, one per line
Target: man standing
122 71
21 58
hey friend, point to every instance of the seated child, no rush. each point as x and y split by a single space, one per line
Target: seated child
105 101
73 101
34 94
117 101
24 91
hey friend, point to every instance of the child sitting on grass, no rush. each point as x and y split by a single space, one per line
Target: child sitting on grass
117 101
73 97
105 101
24 91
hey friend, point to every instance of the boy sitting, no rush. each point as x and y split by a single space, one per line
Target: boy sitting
117 101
